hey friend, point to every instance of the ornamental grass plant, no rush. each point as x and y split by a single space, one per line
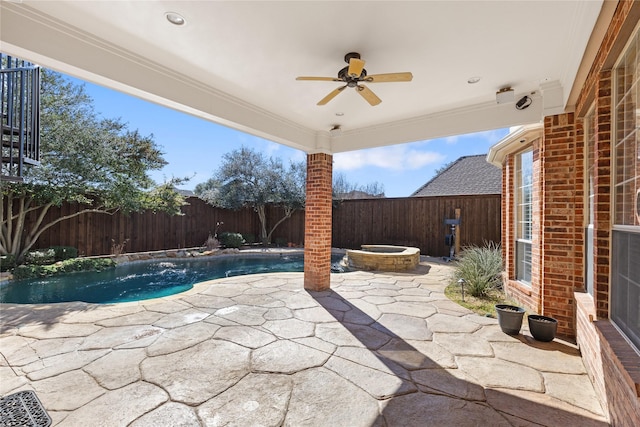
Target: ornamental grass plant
481 269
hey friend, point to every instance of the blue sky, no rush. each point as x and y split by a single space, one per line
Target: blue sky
193 147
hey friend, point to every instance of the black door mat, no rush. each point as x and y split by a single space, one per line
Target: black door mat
23 409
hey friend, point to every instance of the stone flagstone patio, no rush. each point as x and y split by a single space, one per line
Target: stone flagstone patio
378 349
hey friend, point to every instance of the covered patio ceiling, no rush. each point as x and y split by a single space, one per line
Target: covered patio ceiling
235 62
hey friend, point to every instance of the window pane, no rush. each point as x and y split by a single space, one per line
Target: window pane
625 284
625 268
523 270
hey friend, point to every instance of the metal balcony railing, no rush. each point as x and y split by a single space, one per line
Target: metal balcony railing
20 117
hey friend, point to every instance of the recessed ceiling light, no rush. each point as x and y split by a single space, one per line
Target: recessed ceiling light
175 18
473 80
339 114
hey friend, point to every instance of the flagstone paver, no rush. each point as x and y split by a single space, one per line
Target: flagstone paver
128 361
379 384
170 414
286 357
451 382
321 397
68 391
196 374
247 404
376 350
496 373
423 409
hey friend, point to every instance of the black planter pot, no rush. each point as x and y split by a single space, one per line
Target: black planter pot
509 318
542 328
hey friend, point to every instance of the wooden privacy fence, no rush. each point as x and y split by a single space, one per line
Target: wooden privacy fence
416 221
412 221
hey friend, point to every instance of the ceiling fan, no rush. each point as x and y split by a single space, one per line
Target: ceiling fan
354 75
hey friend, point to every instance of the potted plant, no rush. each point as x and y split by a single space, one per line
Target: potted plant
509 318
542 328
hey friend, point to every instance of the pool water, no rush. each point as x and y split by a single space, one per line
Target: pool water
144 280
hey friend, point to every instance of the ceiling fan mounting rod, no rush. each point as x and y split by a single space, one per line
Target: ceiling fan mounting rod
350 55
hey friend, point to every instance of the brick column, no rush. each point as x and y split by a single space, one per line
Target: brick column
317 224
602 202
562 255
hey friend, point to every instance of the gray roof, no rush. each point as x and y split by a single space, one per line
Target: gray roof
185 193
466 176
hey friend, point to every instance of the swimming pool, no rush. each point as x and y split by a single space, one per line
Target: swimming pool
144 280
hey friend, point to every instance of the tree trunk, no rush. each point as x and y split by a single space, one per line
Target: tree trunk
262 216
287 214
15 239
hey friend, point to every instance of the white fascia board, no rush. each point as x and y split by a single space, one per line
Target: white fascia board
475 118
513 142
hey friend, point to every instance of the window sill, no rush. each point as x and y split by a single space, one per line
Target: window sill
521 287
623 354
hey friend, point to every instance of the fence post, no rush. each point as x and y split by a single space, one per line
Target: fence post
457 238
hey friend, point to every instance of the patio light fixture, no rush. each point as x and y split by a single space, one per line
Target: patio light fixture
175 18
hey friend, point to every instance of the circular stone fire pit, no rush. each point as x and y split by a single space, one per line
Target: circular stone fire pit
383 258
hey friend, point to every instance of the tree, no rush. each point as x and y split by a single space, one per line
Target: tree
343 189
248 178
96 162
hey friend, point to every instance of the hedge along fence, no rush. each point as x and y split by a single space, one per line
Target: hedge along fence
413 221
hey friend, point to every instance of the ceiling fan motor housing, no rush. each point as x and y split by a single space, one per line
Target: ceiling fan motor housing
351 81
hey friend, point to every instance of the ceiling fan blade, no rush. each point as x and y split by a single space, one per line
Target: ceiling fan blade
322 79
355 67
331 95
389 77
367 94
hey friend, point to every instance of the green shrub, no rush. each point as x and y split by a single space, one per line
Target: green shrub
7 262
40 257
231 240
281 241
64 252
249 238
481 269
67 266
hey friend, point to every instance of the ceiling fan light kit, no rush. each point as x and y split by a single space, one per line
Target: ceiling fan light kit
353 75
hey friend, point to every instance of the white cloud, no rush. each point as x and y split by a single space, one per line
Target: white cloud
452 139
398 157
489 135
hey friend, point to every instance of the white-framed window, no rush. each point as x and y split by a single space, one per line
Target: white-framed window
625 245
524 213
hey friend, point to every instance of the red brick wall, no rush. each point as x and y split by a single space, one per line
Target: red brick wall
528 296
612 364
537 273
589 343
562 218
508 232
317 240
602 202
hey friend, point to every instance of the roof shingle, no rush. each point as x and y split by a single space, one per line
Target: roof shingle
466 176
